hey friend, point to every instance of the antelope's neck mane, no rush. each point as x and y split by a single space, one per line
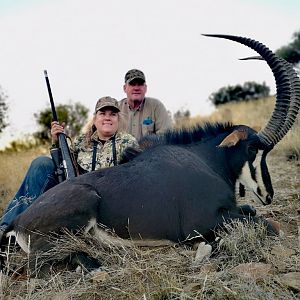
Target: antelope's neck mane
187 136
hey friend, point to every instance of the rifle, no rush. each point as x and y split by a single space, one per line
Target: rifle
61 155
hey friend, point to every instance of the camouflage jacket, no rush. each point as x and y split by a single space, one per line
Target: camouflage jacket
104 157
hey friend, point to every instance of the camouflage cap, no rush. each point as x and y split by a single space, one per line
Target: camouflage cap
134 74
107 102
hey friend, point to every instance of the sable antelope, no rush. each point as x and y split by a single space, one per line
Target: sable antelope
180 185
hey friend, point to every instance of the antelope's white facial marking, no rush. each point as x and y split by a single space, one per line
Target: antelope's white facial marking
251 177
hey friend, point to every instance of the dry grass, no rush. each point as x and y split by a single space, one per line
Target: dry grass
163 273
13 168
170 272
253 113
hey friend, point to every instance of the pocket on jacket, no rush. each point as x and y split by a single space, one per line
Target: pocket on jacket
147 129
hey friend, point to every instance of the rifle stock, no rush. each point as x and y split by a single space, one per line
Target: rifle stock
61 156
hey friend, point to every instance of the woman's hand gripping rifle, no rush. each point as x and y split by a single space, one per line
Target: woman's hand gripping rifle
61 155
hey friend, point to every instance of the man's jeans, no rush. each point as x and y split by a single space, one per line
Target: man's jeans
39 178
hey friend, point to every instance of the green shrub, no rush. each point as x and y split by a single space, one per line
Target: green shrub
248 91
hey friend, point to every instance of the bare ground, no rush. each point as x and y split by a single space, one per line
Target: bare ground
285 208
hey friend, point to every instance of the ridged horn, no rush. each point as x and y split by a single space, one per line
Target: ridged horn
294 103
287 91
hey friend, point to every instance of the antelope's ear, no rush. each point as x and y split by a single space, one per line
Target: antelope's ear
234 137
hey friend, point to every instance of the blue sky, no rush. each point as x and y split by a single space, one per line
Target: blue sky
88 45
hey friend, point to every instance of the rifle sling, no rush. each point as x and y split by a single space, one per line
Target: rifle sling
95 144
114 152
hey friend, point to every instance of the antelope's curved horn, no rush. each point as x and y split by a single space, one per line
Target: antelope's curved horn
287 87
294 104
295 100
258 57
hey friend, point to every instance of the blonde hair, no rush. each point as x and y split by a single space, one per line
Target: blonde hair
88 130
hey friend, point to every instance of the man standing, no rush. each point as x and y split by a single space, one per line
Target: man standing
143 115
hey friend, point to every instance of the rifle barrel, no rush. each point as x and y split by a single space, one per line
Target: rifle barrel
51 97
67 163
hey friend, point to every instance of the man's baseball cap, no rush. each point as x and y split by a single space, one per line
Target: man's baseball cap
107 102
134 74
